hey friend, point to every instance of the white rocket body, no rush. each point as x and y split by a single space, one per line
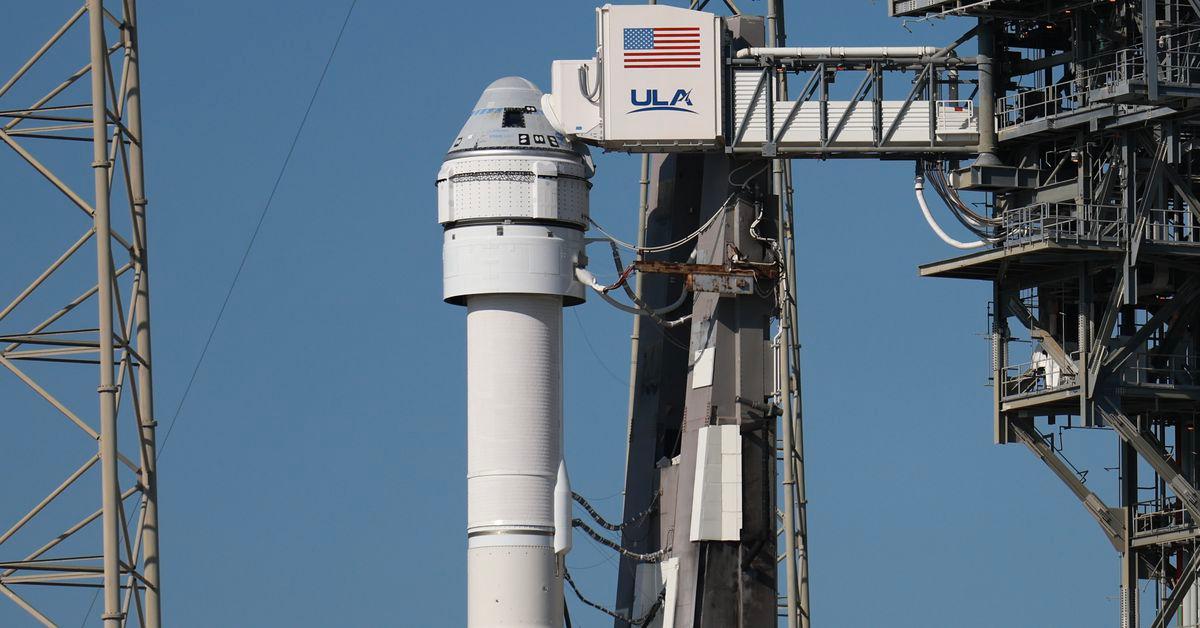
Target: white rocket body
513 199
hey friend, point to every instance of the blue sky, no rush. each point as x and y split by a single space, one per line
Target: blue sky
316 476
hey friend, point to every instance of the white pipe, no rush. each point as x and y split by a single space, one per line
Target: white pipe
919 187
841 52
586 278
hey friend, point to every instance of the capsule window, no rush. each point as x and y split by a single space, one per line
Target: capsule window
514 118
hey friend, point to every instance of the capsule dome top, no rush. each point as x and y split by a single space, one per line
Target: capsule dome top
509 116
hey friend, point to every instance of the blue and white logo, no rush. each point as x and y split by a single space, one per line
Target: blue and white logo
650 100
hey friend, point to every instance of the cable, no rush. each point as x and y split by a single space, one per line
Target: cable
666 247
979 225
746 182
639 621
616 527
587 341
587 92
633 296
257 228
588 279
919 188
652 557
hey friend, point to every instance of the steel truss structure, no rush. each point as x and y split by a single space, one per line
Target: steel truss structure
1095 316
97 341
751 334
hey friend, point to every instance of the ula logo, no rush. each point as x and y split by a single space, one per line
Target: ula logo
649 100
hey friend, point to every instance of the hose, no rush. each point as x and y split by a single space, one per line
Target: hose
919 188
638 621
938 178
622 271
616 527
652 557
589 280
587 92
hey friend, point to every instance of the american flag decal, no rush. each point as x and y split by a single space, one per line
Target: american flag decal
662 47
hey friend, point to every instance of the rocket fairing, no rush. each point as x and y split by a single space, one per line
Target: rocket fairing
513 200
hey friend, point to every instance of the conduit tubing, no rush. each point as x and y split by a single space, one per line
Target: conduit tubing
841 52
586 278
919 188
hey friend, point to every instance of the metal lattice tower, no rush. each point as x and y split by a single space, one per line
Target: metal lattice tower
76 336
1095 316
764 575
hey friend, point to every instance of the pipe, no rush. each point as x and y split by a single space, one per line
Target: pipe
795 544
151 555
919 188
987 94
635 336
840 52
111 521
586 278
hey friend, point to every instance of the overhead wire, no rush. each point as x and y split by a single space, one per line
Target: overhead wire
262 216
588 342
245 256
666 247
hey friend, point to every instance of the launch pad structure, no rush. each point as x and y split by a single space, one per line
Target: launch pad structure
1076 120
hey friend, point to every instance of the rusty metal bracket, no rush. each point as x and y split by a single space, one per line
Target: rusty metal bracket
730 279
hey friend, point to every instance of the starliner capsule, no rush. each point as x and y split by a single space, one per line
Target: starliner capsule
513 200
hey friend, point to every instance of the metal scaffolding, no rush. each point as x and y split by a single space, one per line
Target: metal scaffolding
1095 316
105 324
764 574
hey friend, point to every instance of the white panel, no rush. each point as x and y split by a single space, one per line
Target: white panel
569 109
513 586
661 71
717 493
503 259
702 368
648 581
471 188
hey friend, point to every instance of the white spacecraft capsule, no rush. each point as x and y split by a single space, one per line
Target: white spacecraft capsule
513 199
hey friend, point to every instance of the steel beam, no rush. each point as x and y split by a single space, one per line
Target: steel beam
1154 454
1111 520
1183 585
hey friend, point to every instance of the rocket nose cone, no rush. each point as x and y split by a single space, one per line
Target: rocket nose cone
510 91
509 116
511 82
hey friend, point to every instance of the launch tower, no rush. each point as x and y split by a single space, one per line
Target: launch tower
75 337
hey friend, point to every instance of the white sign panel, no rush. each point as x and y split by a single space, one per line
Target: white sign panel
661 75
